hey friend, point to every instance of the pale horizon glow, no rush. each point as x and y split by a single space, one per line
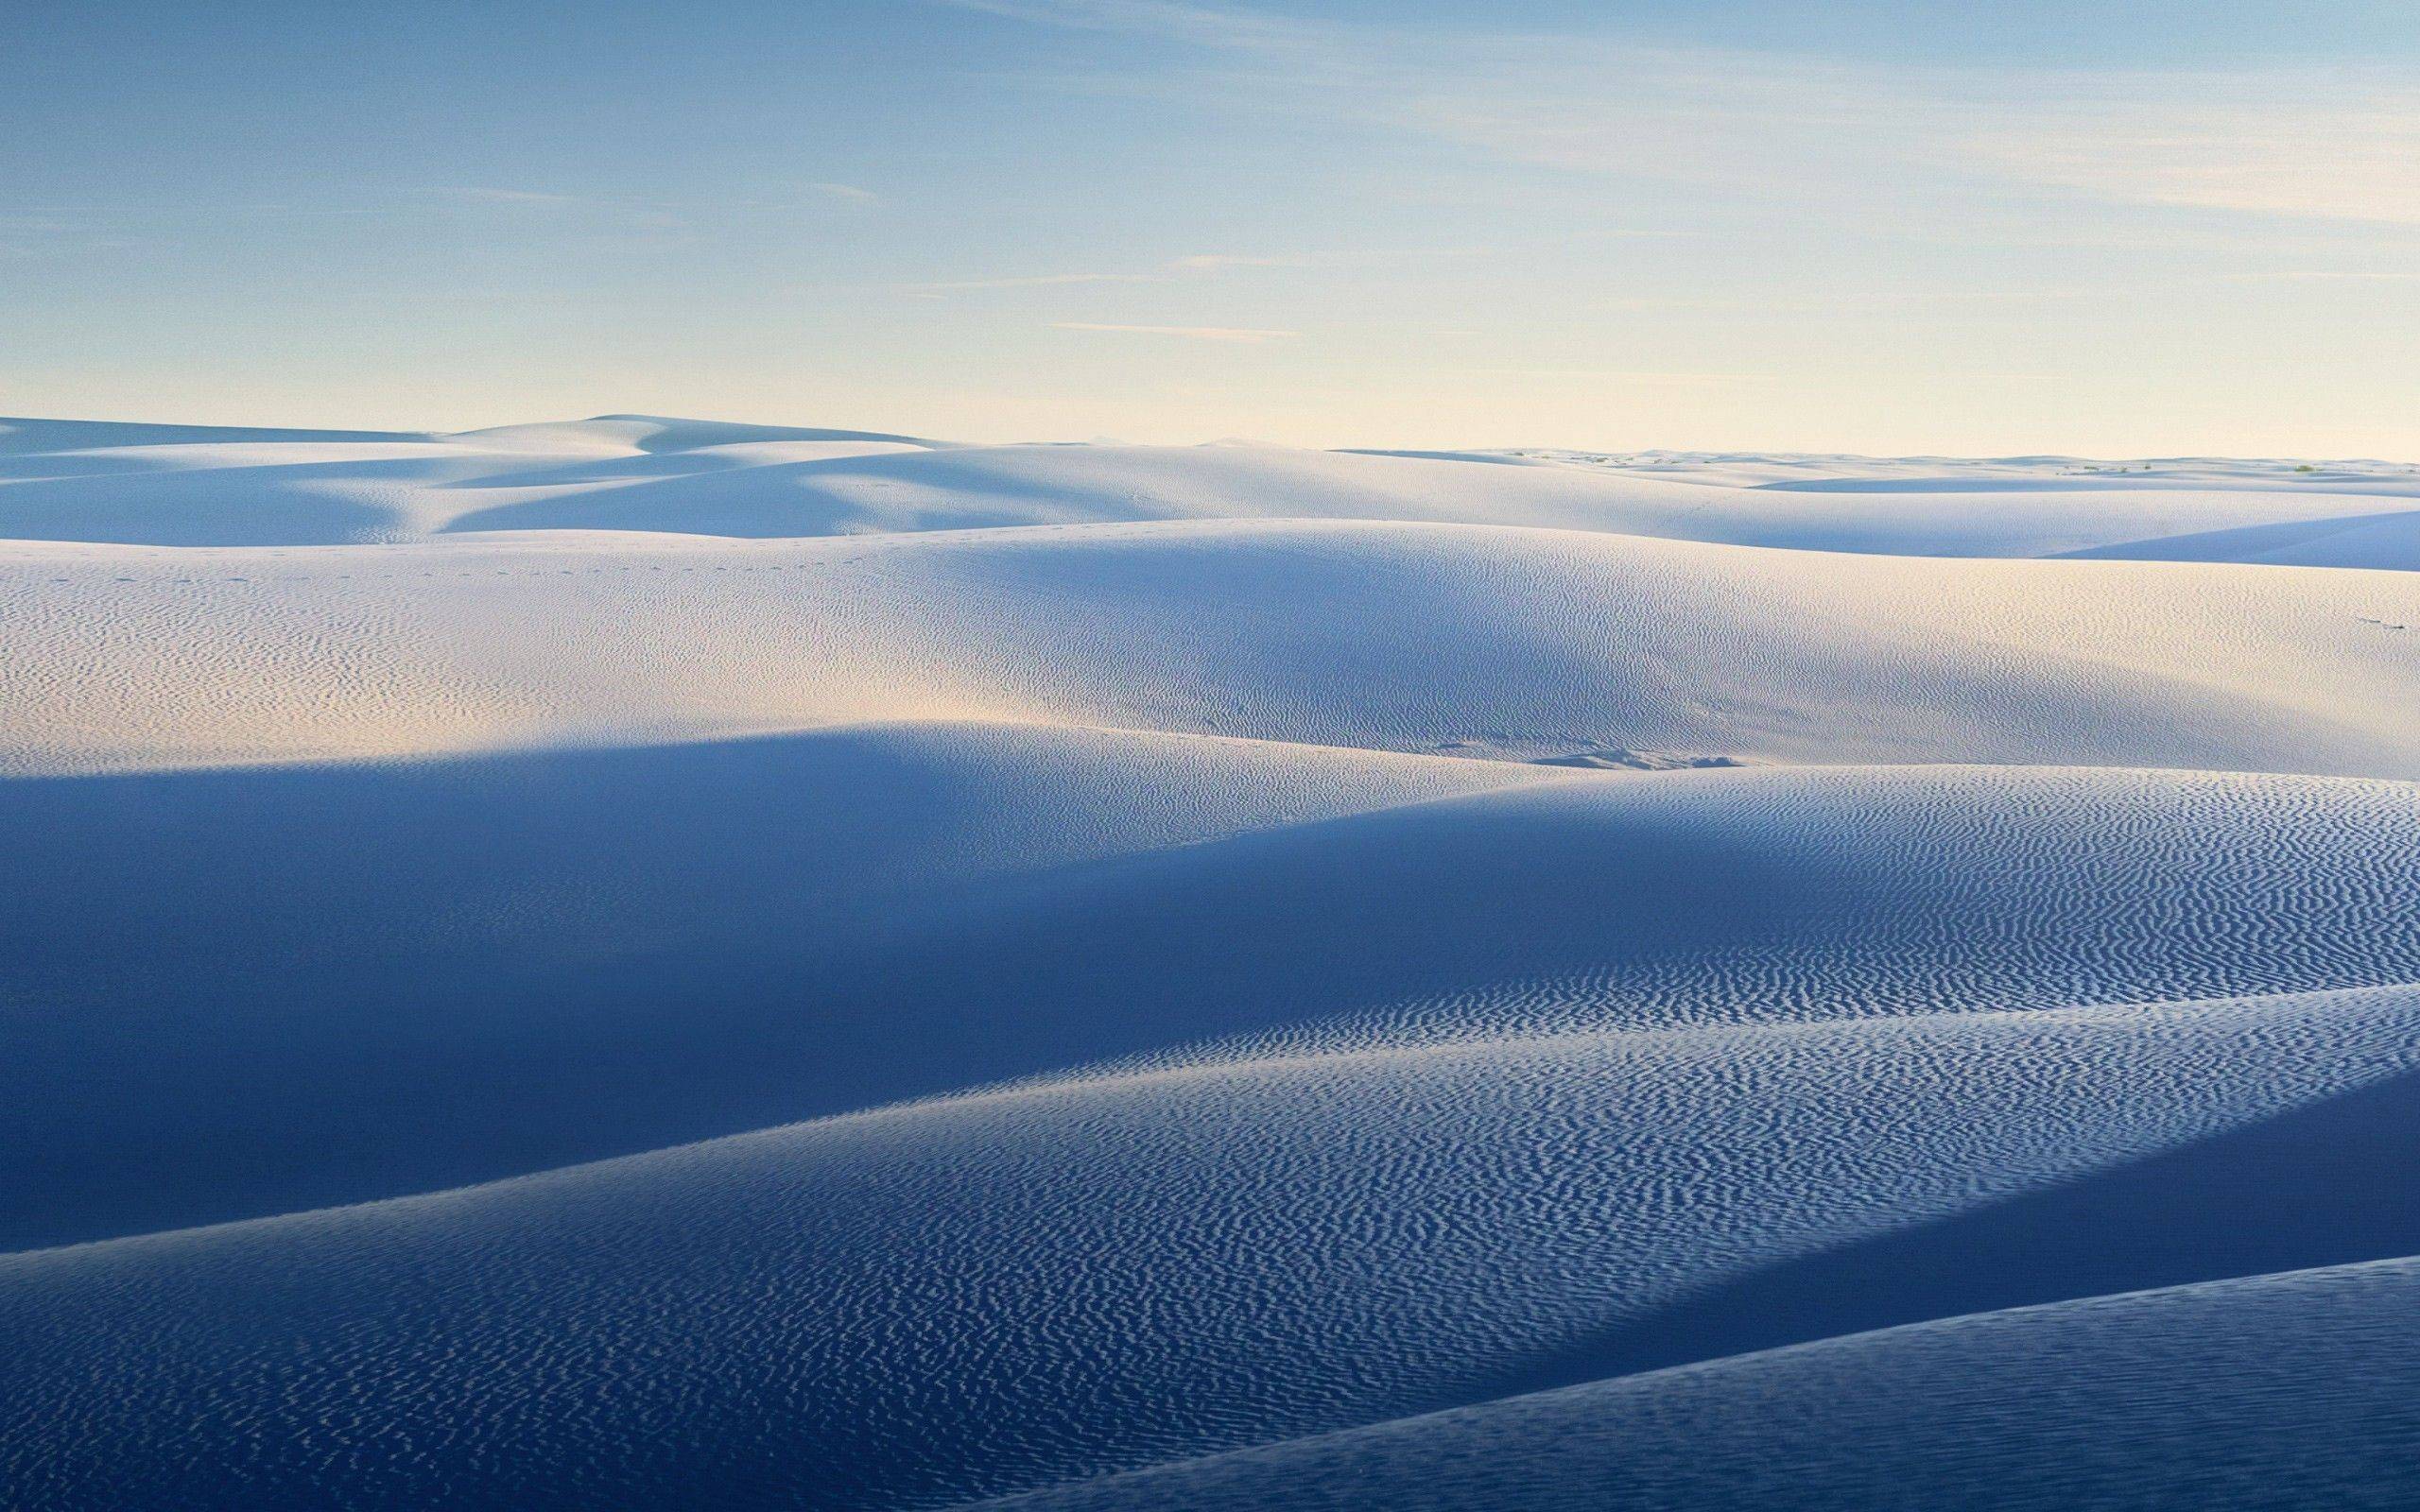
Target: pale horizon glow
1870 228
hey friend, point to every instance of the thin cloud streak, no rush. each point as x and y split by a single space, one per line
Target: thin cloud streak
1620 375
2309 144
1166 273
1036 280
1247 334
1219 27
487 195
1211 262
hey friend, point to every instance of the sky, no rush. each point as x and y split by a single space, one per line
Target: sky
1873 226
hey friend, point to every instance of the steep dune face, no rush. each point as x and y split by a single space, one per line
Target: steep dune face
658 962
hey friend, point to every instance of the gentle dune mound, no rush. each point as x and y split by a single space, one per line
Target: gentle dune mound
656 434
646 962
194 486
1446 639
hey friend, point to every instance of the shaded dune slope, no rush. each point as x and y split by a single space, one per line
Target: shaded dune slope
661 963
2276 1391
562 957
909 1307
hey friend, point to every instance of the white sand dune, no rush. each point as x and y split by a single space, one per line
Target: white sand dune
650 962
562 957
190 486
2285 1390
912 1307
1414 638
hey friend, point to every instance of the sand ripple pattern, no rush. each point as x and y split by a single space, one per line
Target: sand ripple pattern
654 963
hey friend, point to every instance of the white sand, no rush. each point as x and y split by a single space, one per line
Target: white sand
647 962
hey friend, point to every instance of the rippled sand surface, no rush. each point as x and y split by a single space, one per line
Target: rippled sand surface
653 963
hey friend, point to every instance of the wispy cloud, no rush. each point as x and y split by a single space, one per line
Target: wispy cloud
1046 282
2340 148
1165 273
489 194
1622 375
644 215
1222 27
2281 142
2327 275
1211 262
952 286
653 213
34 236
1189 333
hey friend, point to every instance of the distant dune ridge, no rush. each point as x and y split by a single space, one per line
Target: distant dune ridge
646 962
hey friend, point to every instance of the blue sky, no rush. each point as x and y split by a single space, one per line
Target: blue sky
1879 227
